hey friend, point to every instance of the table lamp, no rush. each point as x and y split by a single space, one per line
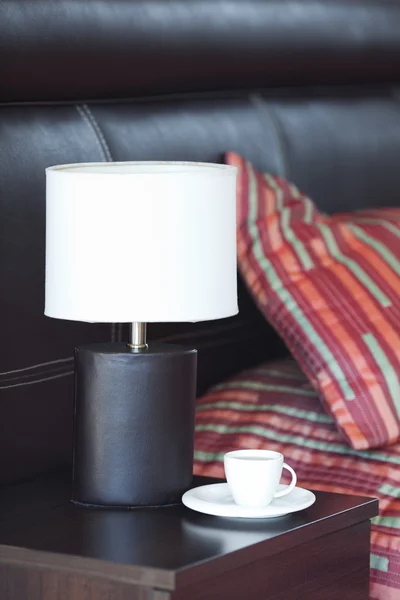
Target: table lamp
137 242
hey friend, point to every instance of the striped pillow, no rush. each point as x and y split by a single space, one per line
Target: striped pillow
330 286
274 406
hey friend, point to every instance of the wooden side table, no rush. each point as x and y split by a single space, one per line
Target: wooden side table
53 550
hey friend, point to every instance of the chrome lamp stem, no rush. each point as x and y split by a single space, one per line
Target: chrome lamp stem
137 342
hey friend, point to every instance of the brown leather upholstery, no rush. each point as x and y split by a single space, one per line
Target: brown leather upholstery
341 144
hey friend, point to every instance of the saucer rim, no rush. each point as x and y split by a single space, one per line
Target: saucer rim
206 507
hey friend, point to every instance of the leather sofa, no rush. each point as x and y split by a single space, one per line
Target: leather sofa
305 88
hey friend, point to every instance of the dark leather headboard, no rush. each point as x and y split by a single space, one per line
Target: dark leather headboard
81 49
133 80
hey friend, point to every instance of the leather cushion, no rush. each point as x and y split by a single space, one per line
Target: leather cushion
341 147
102 49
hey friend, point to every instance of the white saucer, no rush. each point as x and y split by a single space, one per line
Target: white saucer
216 499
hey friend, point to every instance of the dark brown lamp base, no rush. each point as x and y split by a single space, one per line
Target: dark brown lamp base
133 424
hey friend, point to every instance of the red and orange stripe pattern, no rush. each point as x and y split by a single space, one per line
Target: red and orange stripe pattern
330 286
274 406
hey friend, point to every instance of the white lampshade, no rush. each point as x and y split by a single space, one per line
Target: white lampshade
141 241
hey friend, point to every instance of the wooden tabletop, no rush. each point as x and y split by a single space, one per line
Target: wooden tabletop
163 547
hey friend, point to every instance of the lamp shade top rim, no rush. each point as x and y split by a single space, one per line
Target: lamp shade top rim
152 168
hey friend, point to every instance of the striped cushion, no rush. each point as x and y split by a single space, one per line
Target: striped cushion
275 407
330 286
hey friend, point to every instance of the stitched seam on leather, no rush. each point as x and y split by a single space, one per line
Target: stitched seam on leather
34 373
259 103
90 119
108 155
91 127
38 365
14 385
56 370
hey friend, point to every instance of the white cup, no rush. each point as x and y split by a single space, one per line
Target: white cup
253 476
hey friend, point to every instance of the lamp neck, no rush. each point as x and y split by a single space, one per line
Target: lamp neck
137 342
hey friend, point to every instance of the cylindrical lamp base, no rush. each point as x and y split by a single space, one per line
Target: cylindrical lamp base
133 424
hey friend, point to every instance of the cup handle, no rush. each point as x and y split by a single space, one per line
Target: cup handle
290 486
